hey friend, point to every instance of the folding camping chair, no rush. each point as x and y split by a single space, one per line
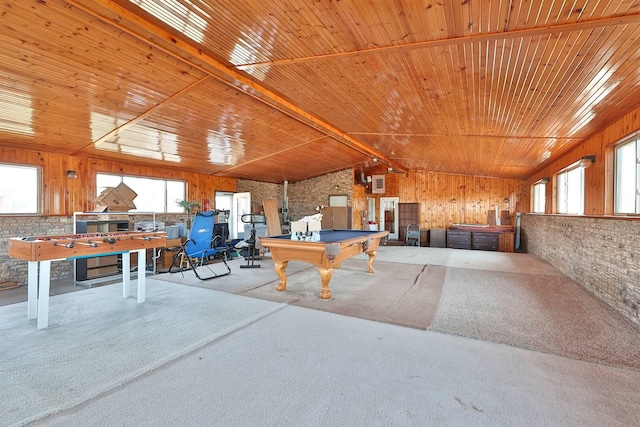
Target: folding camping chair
413 235
200 248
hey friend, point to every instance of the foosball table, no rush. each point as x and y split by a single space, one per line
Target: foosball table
40 251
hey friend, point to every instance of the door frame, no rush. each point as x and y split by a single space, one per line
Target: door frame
383 226
241 206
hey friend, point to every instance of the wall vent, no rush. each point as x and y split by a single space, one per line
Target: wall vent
377 184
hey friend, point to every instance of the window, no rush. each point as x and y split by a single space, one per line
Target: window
570 192
627 179
19 198
154 195
539 196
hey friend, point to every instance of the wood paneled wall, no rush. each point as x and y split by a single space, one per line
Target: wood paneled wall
447 199
63 196
599 176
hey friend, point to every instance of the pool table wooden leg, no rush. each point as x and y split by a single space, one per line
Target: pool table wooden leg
372 257
325 276
280 271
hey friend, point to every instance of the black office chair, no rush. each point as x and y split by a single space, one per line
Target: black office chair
253 240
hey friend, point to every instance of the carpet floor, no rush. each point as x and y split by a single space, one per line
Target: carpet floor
509 298
433 337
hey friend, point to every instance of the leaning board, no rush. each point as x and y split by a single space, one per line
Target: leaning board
270 207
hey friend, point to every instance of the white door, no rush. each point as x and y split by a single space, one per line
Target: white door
241 206
389 216
224 202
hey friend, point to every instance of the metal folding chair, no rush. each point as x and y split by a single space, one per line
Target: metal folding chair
201 248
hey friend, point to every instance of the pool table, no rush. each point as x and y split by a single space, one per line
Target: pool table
326 254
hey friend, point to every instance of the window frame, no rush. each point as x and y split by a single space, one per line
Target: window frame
167 202
634 139
38 189
536 195
562 177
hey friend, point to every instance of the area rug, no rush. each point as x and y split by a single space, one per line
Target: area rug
543 311
400 294
550 314
239 280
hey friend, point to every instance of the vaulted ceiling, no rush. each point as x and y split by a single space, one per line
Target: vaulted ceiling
289 90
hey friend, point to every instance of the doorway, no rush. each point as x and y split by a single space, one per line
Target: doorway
389 216
241 206
237 204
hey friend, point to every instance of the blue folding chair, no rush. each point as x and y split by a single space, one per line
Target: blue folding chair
201 247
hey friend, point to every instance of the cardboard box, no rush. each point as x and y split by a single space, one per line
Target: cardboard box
298 226
314 226
102 261
115 199
306 230
173 243
111 217
127 193
304 226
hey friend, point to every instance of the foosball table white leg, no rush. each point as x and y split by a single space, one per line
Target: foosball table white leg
142 268
32 291
126 275
43 294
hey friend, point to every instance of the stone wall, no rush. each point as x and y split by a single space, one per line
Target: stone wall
305 196
602 254
261 191
13 269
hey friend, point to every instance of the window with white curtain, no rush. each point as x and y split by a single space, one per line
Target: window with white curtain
627 178
153 195
19 189
570 190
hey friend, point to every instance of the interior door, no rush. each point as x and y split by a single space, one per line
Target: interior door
389 216
225 202
241 206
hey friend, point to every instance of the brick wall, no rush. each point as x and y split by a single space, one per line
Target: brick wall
13 269
601 254
261 191
305 196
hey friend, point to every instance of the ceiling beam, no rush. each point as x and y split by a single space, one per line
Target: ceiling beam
476 38
134 24
433 135
141 117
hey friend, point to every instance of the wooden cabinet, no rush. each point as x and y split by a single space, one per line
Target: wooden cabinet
336 217
484 241
438 238
458 239
481 238
506 242
408 213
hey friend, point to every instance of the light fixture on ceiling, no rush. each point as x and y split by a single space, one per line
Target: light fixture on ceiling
587 161
375 159
72 174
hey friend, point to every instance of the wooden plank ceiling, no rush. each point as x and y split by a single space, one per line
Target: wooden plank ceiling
277 91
